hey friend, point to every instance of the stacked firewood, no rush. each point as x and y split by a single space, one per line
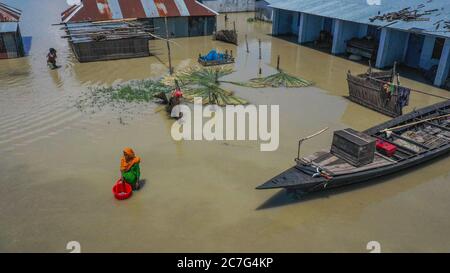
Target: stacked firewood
100 31
229 36
445 25
406 14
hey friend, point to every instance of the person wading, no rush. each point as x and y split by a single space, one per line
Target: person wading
129 168
175 99
51 58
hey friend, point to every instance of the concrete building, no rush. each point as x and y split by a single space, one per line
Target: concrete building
185 17
421 44
11 44
230 5
263 11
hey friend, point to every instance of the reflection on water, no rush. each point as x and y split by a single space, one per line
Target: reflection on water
58 164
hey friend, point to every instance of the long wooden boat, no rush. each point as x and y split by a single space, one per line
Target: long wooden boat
418 136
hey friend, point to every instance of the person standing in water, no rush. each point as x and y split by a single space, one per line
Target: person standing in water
51 58
129 168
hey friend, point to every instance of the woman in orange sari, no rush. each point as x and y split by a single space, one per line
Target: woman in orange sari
129 167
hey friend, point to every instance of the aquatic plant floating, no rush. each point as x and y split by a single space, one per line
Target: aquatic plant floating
140 91
204 82
280 79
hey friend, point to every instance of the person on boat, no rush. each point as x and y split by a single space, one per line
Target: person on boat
129 167
51 58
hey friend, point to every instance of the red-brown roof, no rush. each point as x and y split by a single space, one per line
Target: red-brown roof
9 14
101 10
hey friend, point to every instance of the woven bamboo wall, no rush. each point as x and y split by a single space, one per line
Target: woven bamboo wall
111 49
369 92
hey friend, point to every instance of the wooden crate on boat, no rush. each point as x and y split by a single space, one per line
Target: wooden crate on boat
354 147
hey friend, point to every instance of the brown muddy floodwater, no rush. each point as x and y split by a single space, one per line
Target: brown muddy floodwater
58 164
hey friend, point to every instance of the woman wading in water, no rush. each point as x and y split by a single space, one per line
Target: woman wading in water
129 167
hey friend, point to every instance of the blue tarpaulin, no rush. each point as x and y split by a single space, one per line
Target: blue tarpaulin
213 56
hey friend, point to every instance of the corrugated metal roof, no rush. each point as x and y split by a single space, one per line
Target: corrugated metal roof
9 14
361 10
8 27
102 10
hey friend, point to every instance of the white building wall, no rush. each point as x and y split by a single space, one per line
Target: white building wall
230 5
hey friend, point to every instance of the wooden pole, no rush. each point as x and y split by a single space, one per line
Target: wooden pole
278 62
259 42
306 138
413 123
234 26
226 20
168 46
394 72
246 43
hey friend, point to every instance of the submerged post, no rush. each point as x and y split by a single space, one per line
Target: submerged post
394 72
259 42
246 43
278 62
168 46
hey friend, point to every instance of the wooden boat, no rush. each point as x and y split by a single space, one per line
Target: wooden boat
368 89
418 136
203 62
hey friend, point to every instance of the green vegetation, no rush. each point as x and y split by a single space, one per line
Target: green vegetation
196 81
204 82
280 79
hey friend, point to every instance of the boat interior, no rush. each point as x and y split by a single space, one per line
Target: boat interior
424 134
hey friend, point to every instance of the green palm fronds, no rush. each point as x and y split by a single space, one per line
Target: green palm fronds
280 79
197 75
204 82
214 95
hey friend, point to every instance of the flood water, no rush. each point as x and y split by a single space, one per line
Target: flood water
58 164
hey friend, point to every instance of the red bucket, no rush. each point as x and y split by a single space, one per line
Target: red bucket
122 190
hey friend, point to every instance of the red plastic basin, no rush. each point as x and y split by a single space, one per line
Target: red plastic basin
122 190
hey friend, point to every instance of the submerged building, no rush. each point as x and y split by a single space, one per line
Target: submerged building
351 26
116 29
185 17
263 10
11 44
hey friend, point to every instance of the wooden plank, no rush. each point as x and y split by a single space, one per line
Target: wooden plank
411 141
403 149
346 168
437 126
